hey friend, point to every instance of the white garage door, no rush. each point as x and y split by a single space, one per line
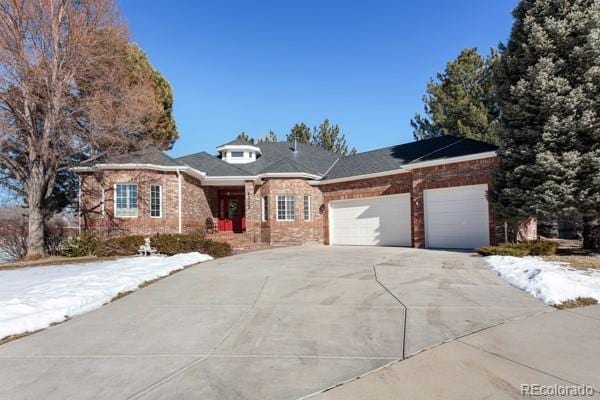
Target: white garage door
375 221
457 217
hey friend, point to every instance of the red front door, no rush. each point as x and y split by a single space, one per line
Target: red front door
231 213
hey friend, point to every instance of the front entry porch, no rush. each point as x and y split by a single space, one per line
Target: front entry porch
231 214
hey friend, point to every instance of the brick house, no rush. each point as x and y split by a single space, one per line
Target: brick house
430 193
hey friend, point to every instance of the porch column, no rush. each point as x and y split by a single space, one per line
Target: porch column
252 211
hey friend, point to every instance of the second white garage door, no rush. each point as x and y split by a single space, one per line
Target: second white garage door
375 221
457 217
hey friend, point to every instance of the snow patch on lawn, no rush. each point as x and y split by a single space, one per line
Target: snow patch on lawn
33 298
550 281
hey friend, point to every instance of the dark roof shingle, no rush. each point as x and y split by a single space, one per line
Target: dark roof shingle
211 165
394 157
281 157
149 155
237 142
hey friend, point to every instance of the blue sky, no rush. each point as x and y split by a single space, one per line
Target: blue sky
258 65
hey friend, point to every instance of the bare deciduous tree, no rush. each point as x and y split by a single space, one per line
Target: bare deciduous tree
65 96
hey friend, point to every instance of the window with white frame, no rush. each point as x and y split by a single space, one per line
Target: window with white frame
307 208
102 199
126 202
264 209
285 208
155 201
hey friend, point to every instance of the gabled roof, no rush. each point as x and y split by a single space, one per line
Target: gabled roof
211 165
149 155
287 165
306 158
395 157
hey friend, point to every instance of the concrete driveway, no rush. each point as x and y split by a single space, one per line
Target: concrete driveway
274 324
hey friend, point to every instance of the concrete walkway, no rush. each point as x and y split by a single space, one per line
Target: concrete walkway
274 324
557 348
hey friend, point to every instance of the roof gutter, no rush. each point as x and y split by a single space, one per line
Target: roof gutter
154 167
258 179
407 168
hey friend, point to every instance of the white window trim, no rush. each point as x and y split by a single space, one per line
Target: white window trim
286 203
304 205
115 201
102 201
264 206
160 201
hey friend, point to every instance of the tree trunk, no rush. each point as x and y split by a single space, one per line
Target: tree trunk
591 233
35 237
36 189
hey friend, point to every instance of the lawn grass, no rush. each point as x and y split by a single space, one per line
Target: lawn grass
54 260
578 262
578 302
571 251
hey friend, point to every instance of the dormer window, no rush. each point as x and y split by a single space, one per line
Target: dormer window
239 152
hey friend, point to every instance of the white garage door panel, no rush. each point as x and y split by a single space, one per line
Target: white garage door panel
456 217
376 221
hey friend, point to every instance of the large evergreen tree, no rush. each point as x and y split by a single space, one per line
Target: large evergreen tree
270 137
245 137
160 124
548 85
461 100
325 136
299 132
329 137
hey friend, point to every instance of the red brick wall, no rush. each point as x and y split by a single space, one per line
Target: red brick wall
195 207
252 201
474 172
200 203
299 230
414 182
381 186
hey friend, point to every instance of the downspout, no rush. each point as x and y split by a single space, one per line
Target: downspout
79 203
179 199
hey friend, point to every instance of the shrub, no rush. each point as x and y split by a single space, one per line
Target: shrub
170 244
542 248
55 236
530 248
13 238
119 246
216 249
84 245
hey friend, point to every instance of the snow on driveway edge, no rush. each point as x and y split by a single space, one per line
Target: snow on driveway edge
550 281
33 298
